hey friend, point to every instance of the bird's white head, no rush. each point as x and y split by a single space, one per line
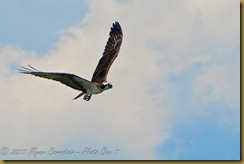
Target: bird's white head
106 86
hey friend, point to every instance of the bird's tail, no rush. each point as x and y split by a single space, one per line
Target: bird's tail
81 94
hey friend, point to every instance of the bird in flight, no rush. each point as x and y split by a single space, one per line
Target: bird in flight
98 83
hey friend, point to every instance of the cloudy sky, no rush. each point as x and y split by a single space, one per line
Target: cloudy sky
176 81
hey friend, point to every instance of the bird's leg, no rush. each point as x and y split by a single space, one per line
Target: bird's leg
87 97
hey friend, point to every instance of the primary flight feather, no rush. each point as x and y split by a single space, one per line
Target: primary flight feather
98 83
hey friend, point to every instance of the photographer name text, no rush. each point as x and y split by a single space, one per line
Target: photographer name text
35 152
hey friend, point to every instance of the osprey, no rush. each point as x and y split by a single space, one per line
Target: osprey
98 83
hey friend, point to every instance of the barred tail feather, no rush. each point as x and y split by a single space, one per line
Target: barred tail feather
81 94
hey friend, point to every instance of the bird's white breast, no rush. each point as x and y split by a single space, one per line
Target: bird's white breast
95 90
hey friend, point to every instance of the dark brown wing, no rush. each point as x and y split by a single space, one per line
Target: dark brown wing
70 80
110 53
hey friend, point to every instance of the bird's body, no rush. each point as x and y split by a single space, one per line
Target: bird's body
99 83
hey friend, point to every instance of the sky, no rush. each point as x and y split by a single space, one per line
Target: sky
176 81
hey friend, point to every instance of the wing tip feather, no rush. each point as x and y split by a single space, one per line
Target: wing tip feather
26 70
116 28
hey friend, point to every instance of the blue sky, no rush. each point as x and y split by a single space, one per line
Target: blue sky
176 82
38 22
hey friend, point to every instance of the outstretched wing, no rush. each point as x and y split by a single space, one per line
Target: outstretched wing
110 53
70 80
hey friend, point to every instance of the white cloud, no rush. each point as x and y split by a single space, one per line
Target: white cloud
159 39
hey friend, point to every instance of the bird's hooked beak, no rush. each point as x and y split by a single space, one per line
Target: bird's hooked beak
106 86
110 85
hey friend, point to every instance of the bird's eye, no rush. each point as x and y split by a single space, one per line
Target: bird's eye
103 86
